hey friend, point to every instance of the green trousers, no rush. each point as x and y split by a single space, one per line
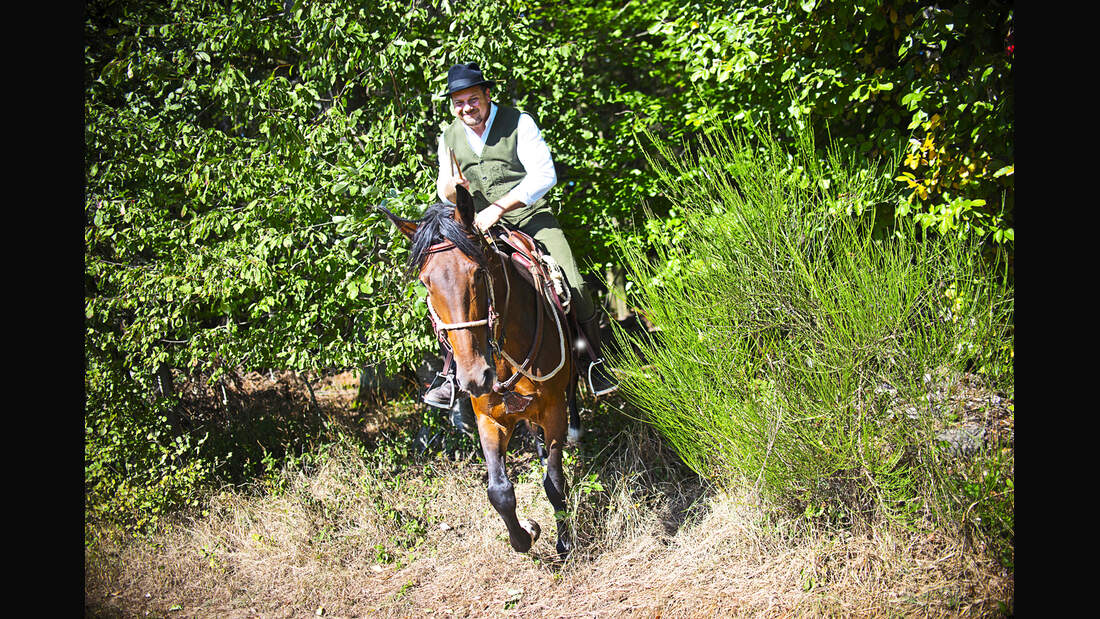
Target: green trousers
544 227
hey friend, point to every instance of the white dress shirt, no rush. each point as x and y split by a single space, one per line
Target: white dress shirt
532 150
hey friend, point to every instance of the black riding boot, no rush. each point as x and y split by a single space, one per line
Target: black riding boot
598 378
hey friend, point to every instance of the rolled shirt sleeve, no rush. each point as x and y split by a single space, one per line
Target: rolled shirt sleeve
444 171
534 154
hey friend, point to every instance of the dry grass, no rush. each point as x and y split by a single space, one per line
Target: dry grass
272 556
356 537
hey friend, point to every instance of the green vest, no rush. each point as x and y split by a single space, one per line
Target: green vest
498 169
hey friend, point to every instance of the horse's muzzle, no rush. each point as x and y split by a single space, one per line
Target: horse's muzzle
479 381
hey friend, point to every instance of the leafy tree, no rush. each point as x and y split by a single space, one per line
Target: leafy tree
234 152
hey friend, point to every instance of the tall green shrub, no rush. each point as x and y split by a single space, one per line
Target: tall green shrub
794 338
233 152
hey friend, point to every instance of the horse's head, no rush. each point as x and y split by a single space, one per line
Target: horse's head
448 256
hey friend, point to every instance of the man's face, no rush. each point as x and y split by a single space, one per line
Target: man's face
471 106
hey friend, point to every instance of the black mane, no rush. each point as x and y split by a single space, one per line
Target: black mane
437 225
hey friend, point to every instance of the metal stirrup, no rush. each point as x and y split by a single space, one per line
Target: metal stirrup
591 387
447 378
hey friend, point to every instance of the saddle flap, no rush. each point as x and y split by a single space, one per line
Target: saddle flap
531 259
526 253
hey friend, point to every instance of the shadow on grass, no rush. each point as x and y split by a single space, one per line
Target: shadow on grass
258 422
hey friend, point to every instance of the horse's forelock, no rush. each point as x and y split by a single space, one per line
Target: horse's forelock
437 225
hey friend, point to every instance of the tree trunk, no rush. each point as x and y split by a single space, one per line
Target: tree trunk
616 299
166 388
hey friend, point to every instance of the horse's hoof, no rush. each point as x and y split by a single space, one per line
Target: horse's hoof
532 529
564 548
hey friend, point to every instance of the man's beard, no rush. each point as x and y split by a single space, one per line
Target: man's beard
472 120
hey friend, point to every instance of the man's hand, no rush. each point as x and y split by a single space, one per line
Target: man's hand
487 217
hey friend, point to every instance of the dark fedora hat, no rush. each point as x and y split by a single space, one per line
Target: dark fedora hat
462 76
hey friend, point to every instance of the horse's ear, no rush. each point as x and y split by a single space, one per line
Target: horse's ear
464 206
406 226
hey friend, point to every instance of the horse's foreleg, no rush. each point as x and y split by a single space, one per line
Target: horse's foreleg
502 494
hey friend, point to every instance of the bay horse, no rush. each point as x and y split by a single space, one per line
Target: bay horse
512 351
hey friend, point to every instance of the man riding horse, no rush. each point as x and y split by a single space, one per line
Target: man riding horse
504 163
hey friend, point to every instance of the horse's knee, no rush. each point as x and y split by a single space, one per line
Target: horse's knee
502 495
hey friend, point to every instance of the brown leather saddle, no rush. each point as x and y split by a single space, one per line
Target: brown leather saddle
530 260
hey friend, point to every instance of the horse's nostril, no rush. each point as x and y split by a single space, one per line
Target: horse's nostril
484 385
480 383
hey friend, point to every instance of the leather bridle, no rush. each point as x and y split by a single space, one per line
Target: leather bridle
493 322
